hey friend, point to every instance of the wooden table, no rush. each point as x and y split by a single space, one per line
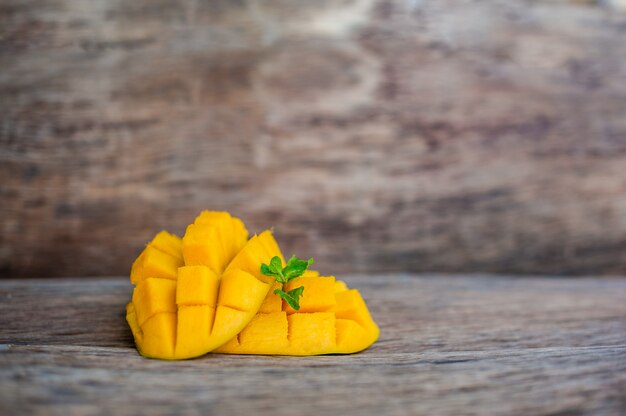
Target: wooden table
449 345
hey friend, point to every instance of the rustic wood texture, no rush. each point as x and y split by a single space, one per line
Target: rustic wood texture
434 135
456 345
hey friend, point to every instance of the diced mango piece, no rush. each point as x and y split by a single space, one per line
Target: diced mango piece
232 232
169 244
311 273
202 246
266 333
240 234
318 295
350 335
197 285
228 321
310 333
340 286
131 318
240 290
271 246
252 255
221 222
212 217
272 302
194 329
159 335
213 240
152 262
350 305
152 296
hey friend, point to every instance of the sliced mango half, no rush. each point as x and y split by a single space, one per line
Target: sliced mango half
194 294
332 319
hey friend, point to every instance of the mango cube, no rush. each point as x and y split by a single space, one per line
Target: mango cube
318 295
131 318
312 332
152 262
272 302
233 295
159 335
350 334
340 286
202 246
266 332
255 253
229 230
152 296
228 321
350 305
311 273
194 329
197 285
169 244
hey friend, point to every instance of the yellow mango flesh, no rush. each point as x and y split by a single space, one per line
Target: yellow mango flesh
181 310
332 320
318 295
161 258
205 292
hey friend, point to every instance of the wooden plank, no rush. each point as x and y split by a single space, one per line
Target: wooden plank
449 345
445 313
65 312
375 135
90 380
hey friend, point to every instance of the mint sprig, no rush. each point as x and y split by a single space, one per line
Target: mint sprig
295 267
292 297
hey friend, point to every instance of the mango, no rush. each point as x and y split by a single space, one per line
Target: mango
332 319
205 292
154 263
180 310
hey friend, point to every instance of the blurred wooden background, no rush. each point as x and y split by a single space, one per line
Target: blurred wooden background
417 135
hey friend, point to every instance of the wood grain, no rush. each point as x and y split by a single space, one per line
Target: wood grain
374 135
449 345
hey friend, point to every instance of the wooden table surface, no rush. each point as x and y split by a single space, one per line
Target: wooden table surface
449 345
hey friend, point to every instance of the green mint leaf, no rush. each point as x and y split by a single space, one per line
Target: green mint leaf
265 269
276 265
292 297
295 268
274 269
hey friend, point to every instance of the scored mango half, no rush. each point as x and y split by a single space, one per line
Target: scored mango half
332 319
205 292
194 294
